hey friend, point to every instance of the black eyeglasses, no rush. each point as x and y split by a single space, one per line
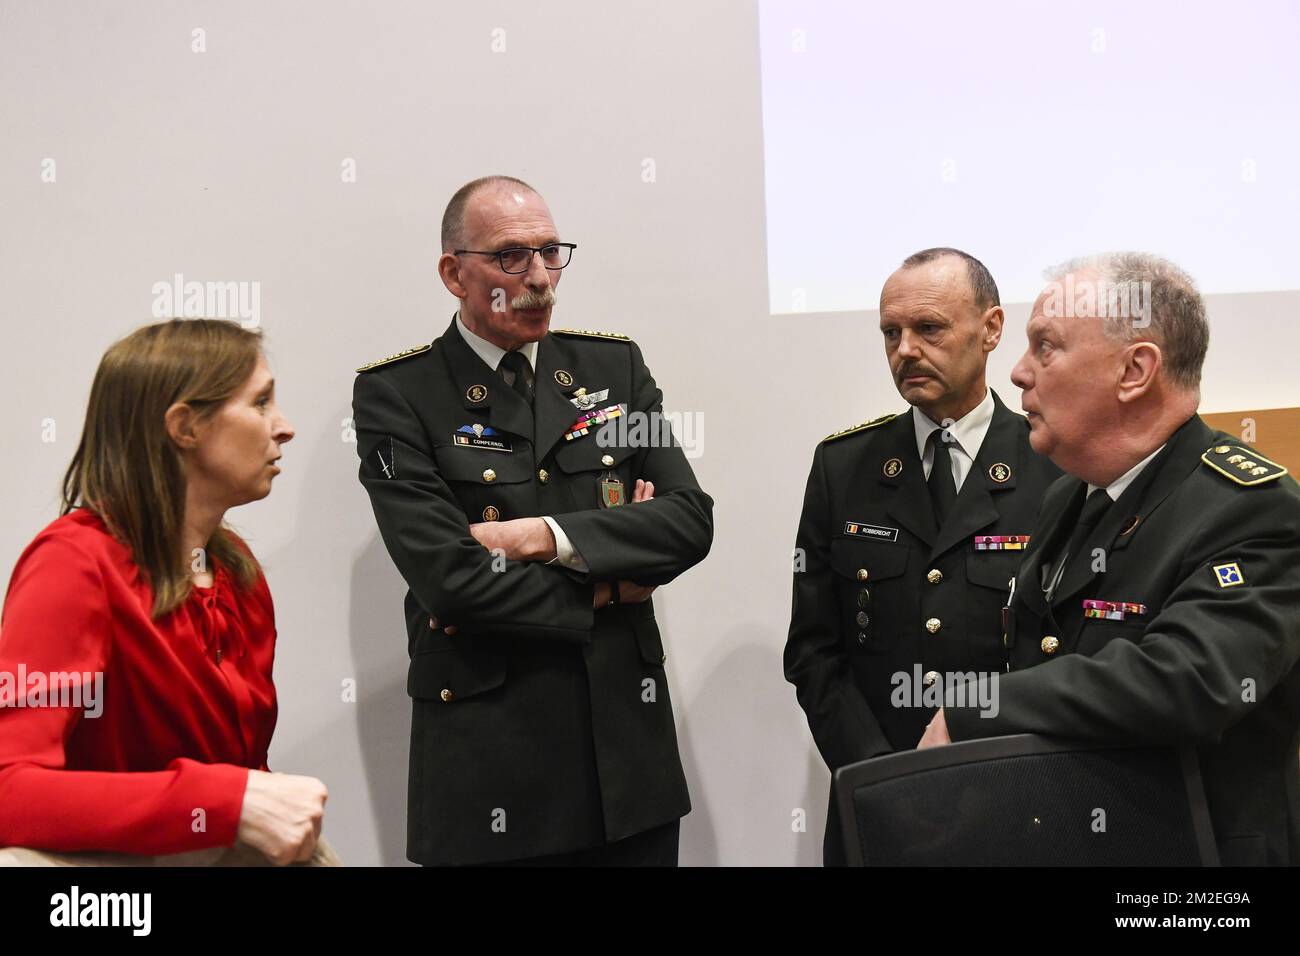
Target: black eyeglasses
517 259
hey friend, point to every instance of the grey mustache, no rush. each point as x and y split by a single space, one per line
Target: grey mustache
533 300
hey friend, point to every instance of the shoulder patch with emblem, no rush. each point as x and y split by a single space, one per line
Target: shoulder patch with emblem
592 334
1228 574
1242 465
853 430
395 358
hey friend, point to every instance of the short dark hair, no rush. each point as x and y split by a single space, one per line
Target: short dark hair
984 291
453 219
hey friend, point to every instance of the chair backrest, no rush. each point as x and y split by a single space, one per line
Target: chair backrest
1026 801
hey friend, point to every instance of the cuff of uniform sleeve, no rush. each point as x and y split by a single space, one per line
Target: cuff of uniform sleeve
566 555
970 709
963 723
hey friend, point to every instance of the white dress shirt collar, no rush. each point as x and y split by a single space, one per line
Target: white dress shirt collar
1120 484
492 353
968 431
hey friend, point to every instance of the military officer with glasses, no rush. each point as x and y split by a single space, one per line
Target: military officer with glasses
912 526
531 539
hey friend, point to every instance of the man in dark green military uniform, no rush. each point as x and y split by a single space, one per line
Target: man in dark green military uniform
1159 601
542 729
912 525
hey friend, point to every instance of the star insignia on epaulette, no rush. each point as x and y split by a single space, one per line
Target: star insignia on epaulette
858 428
592 334
407 353
1241 465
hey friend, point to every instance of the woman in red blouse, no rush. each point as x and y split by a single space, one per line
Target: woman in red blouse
137 637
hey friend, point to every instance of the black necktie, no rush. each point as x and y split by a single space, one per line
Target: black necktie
943 490
517 365
1090 516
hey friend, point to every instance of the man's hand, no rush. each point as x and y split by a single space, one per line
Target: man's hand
520 539
530 539
629 592
936 735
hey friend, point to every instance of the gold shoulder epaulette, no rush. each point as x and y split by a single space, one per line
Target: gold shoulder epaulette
394 358
591 334
1241 465
858 428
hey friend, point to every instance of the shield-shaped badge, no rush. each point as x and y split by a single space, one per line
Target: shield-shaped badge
611 492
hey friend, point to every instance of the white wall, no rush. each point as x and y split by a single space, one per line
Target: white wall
225 165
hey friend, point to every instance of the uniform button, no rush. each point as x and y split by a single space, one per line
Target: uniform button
862 619
862 574
930 678
1049 644
543 476
862 637
933 625
489 474
607 460
864 598
447 696
935 576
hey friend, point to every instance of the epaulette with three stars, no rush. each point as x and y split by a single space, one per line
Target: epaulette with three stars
394 358
1241 465
858 428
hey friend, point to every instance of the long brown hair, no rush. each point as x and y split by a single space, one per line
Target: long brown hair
126 468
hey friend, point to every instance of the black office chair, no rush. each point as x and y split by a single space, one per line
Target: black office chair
1025 801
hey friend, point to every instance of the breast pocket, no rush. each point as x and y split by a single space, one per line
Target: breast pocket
871 590
989 574
598 476
489 485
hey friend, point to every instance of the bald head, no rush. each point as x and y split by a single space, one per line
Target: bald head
456 227
939 316
485 217
979 281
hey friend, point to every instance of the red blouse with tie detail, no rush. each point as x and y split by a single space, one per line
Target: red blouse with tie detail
187 704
